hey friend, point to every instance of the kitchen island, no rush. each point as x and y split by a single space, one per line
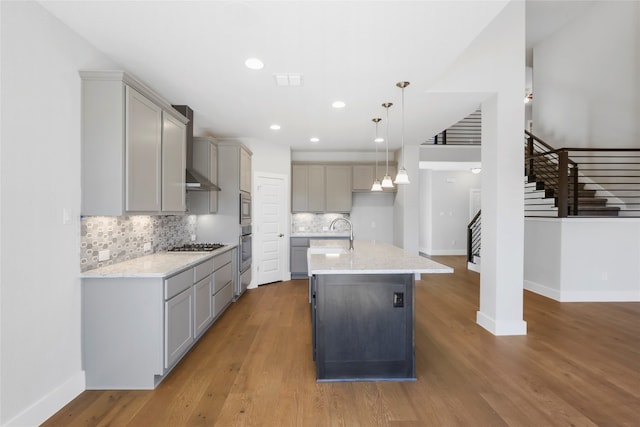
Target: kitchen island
362 307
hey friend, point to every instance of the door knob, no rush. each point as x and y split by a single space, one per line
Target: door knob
280 235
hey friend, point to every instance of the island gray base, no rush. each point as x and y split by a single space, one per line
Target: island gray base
363 327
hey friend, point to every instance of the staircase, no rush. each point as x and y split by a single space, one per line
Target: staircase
541 197
580 181
474 242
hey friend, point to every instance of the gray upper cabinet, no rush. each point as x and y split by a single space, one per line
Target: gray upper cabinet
133 148
174 164
338 191
299 188
205 162
364 174
316 189
320 188
245 170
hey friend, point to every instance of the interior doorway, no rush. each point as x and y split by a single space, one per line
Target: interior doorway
270 228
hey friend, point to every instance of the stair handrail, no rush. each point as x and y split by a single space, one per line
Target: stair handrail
473 235
566 171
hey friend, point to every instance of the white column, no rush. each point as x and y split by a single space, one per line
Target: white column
501 280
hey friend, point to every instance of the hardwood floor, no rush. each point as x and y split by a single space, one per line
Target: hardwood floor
579 365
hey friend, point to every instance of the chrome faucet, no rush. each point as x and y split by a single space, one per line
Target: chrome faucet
333 227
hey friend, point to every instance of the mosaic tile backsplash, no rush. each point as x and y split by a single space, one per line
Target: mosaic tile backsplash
315 223
125 236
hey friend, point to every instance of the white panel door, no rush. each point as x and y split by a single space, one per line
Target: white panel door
271 224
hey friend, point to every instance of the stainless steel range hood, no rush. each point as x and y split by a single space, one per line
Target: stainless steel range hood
195 180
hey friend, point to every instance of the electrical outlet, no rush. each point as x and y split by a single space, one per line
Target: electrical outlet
104 255
398 299
147 247
325 228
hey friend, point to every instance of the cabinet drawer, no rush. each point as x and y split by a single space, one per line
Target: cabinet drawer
202 270
178 283
222 259
222 277
222 299
300 241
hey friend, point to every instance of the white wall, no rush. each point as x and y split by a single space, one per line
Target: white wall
587 79
270 158
406 217
372 216
40 176
444 201
583 259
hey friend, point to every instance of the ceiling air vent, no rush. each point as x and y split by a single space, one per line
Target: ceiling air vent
288 79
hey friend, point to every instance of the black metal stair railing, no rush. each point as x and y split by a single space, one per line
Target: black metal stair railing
583 181
474 240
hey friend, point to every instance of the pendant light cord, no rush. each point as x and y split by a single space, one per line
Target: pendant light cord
402 140
387 105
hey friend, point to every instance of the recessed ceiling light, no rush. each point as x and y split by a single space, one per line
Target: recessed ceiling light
314 139
338 104
379 139
274 127
254 64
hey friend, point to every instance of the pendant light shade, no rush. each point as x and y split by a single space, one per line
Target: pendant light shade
376 182
386 181
402 177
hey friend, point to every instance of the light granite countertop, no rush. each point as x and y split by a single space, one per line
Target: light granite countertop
367 257
160 264
323 234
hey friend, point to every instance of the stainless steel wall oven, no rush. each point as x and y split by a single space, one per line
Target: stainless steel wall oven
245 208
244 259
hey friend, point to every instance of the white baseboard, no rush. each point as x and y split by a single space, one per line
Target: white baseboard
518 327
473 267
597 296
543 290
51 403
582 296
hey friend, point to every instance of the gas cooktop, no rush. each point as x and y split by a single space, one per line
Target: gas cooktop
197 247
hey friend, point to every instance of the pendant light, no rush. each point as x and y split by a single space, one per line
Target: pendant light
386 181
402 177
376 182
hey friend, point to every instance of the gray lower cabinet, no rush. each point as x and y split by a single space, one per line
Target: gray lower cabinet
223 282
136 329
179 334
362 326
298 255
203 308
298 261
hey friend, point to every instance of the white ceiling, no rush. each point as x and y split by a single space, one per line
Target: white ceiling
193 52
